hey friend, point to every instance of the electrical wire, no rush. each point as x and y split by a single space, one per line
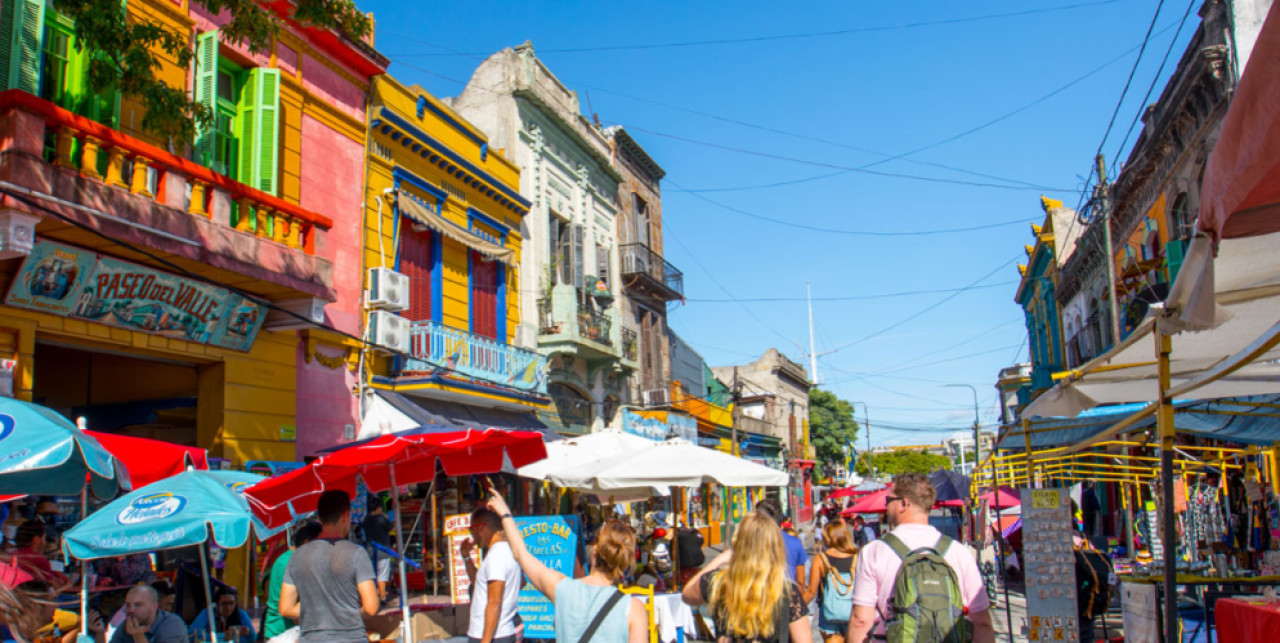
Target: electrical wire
1156 78
1129 81
796 36
667 234
888 295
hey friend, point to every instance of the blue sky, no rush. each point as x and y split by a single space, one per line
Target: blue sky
834 101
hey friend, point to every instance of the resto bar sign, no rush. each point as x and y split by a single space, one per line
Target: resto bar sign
72 282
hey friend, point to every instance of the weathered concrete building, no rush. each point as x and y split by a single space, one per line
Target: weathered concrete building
569 265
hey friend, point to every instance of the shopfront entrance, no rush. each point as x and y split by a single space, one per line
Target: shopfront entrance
116 392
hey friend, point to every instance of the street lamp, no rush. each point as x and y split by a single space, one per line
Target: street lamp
977 426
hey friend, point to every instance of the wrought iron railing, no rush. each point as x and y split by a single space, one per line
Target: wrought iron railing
630 343
546 319
435 346
640 259
594 325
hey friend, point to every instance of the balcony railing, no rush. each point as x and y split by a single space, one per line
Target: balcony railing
595 326
640 259
630 343
100 153
434 346
546 318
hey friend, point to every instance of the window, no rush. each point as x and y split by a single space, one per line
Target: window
57 49
21 31
416 263
244 138
641 220
64 73
484 297
602 267
562 250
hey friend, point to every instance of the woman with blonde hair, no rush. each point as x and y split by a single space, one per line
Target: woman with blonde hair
749 588
831 579
590 608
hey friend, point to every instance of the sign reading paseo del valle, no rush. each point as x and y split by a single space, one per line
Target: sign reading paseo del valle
78 283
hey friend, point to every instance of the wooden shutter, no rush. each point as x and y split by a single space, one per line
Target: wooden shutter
206 87
260 129
415 263
21 40
484 296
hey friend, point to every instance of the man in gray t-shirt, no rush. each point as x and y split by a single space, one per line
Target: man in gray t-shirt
329 583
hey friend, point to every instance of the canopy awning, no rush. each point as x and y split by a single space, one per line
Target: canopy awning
388 412
411 207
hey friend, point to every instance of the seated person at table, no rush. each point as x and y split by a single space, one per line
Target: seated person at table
233 623
145 622
30 557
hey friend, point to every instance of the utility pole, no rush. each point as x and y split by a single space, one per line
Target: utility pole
1102 200
813 356
977 428
737 412
866 421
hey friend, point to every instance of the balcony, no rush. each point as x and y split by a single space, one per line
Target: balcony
630 344
136 191
647 269
433 346
566 325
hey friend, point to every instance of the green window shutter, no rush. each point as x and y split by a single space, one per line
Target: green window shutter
260 130
21 39
206 87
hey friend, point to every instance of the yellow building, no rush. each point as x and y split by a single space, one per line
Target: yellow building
444 210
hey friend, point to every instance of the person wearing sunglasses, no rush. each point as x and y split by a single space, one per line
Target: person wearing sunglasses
875 611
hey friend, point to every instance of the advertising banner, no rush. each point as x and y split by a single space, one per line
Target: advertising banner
72 282
659 425
552 540
457 528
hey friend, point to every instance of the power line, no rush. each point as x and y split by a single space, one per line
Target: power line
667 234
862 169
921 312
1142 49
796 36
897 367
1156 78
887 295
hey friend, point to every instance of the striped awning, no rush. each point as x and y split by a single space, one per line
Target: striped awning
411 207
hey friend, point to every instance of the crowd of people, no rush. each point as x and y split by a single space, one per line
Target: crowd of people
910 583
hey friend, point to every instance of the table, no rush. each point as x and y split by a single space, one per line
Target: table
1246 620
671 612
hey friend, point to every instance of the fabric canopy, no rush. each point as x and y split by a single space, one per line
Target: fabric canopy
673 463
584 449
411 207
390 413
1005 496
874 503
150 461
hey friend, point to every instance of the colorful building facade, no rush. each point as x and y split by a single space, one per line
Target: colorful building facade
1054 243
160 294
443 209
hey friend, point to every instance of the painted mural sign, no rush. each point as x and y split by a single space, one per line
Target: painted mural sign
457 528
552 540
72 282
659 425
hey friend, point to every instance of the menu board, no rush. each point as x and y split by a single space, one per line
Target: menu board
553 540
1050 571
457 529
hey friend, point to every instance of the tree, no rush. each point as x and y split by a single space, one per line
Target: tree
831 427
126 53
895 462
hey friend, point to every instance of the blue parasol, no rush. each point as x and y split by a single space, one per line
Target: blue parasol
43 453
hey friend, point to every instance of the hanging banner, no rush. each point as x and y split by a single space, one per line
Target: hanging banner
552 540
68 281
659 425
457 529
1049 566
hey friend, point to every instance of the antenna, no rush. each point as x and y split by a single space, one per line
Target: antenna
813 356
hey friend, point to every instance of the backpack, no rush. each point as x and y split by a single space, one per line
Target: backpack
1093 573
689 543
926 602
837 593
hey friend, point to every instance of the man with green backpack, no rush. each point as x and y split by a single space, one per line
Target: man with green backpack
915 584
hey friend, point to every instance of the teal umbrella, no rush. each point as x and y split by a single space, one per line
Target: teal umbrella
179 511
43 453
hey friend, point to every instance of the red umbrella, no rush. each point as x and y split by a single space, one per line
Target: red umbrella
850 492
1006 497
390 461
870 504
150 461
393 460
949 503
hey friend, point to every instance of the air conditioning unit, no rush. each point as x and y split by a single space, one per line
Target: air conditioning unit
657 397
389 331
388 290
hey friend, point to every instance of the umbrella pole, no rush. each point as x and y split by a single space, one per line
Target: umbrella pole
1004 573
404 587
435 548
208 592
84 569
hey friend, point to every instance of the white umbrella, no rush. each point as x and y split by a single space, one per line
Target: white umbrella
584 449
674 463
